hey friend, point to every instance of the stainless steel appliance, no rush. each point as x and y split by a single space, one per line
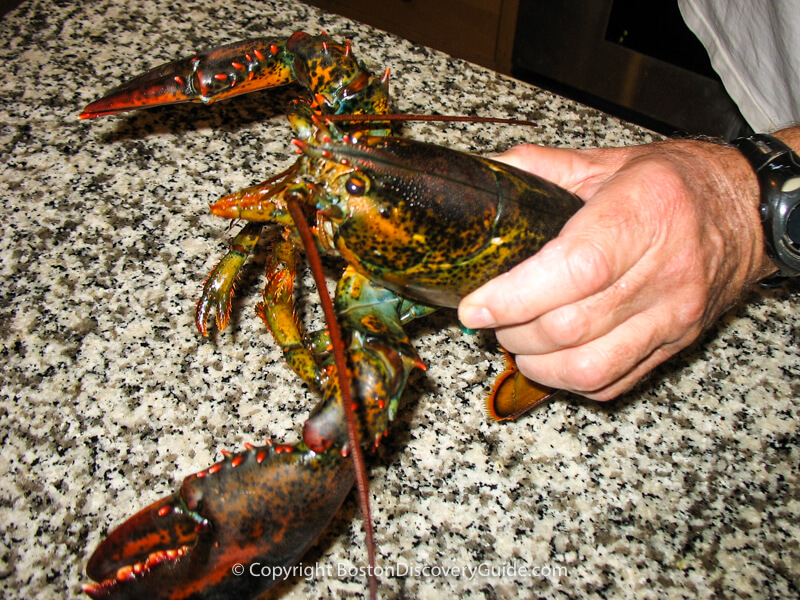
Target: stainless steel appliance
633 58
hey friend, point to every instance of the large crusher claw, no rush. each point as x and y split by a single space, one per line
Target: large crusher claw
218 539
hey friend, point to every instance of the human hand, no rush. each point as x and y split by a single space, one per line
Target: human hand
669 237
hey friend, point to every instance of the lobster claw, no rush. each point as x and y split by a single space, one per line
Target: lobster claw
231 531
220 73
157 537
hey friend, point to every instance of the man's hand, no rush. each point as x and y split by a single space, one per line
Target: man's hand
668 239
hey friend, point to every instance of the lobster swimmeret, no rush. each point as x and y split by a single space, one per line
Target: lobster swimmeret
419 225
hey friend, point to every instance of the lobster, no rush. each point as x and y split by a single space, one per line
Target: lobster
418 225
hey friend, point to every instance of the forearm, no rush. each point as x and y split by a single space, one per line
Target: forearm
790 136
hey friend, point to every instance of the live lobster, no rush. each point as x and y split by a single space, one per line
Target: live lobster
419 225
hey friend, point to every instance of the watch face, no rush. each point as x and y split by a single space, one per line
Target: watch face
792 234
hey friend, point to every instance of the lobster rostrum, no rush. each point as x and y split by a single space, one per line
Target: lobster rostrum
419 226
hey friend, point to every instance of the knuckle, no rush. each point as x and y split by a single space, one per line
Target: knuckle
606 394
566 326
664 176
589 266
590 370
691 312
690 309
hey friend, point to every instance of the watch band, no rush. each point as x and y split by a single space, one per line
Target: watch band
778 170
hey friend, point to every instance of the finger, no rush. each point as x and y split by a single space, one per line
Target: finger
629 380
597 246
579 322
606 365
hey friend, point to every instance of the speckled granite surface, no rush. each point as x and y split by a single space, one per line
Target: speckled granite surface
688 487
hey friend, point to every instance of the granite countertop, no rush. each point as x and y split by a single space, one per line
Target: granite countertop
687 487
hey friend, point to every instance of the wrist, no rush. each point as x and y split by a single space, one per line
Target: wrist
743 194
734 197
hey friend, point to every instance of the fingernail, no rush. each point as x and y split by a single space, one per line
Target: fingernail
476 317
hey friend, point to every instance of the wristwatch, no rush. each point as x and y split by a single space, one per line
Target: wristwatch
778 172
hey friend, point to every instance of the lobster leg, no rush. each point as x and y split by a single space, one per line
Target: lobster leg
218 287
278 312
381 358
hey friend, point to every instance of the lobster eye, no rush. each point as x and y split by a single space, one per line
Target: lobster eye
355 186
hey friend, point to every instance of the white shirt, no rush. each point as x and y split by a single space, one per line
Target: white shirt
754 46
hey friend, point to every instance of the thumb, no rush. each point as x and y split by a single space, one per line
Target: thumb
582 172
561 166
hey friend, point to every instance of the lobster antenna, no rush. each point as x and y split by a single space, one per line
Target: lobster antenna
340 360
442 118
